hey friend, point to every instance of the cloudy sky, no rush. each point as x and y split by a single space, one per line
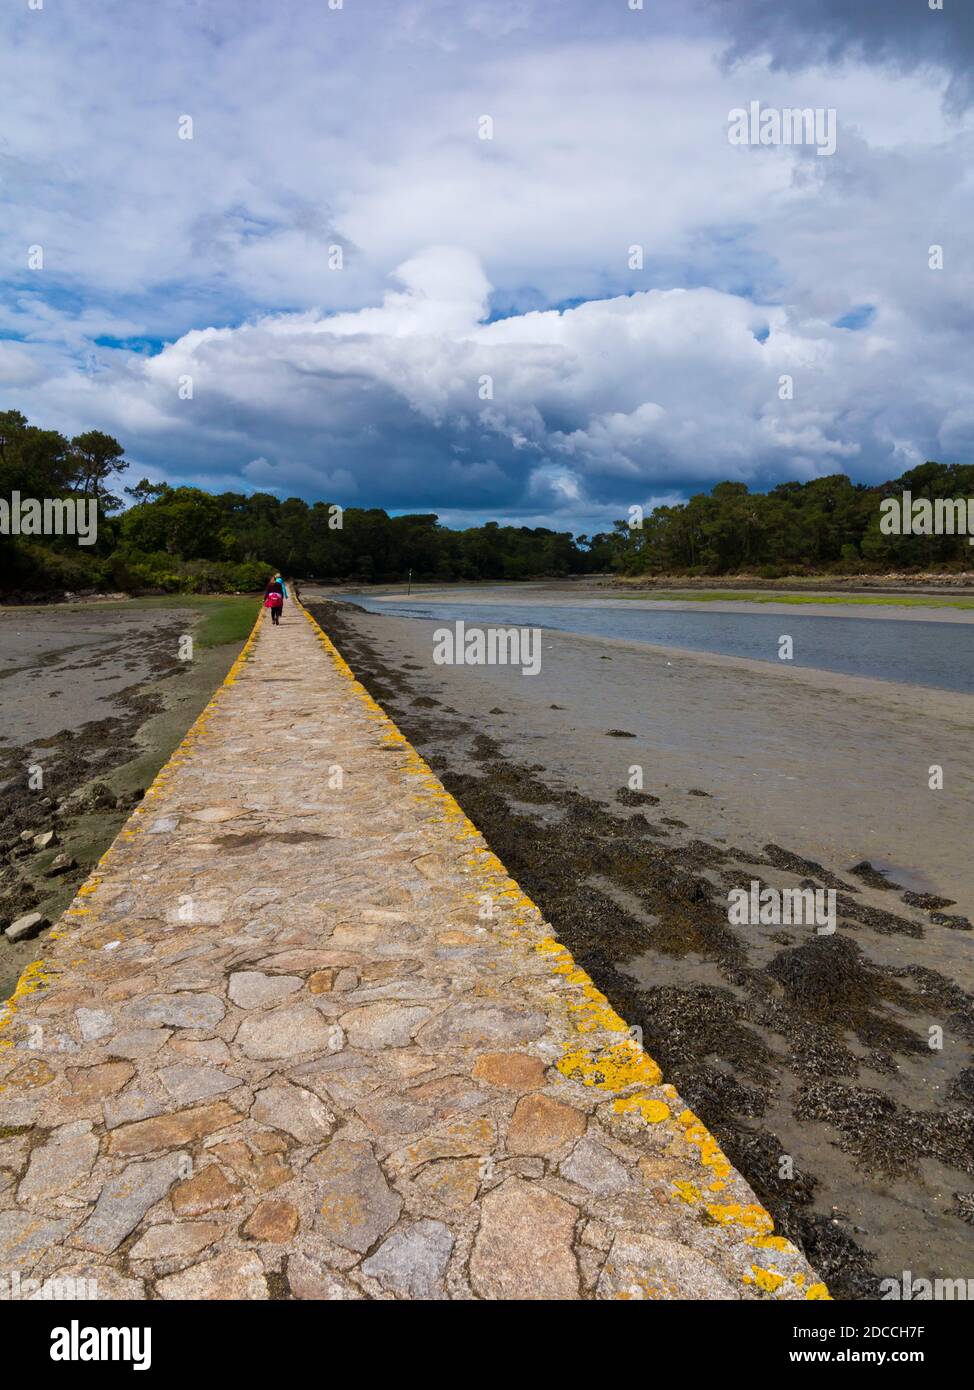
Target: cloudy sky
489 345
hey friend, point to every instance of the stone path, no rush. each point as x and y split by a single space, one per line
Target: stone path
300 1036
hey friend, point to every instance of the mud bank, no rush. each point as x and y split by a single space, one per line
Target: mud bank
807 1056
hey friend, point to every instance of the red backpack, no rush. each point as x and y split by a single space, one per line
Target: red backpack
274 599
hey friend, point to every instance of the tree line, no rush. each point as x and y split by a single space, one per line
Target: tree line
826 525
184 539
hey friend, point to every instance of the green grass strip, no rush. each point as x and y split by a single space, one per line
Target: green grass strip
223 617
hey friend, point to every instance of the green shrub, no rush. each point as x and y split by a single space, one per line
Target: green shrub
158 570
249 576
38 569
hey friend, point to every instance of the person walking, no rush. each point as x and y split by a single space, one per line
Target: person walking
274 598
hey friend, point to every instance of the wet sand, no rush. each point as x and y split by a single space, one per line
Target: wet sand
804 1054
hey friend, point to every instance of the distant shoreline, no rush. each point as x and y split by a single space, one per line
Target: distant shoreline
883 591
595 594
953 590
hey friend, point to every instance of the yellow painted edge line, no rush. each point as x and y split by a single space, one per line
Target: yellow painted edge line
40 973
622 1065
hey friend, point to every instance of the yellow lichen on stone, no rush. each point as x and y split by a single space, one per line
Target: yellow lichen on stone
653 1111
616 1068
734 1213
768 1279
770 1243
32 978
687 1192
711 1154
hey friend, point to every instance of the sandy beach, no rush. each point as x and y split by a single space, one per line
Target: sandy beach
804 1054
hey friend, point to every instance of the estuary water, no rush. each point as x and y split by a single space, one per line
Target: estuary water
939 655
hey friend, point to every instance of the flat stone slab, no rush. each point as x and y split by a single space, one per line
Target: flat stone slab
287 1032
252 990
356 1203
413 1261
186 1081
525 1245
181 1010
272 1049
61 1164
125 1199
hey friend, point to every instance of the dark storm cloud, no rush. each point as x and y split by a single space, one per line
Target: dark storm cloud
901 34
